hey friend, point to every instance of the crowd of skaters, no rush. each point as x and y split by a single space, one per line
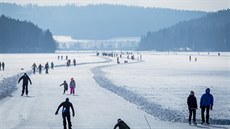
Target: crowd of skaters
206 101
118 55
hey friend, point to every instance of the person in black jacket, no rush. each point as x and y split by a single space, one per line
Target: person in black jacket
192 106
66 112
65 86
25 79
121 124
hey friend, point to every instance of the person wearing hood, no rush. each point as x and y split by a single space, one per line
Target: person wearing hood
66 112
192 106
72 86
121 124
206 103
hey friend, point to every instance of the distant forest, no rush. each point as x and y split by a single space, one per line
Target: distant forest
98 22
208 33
24 37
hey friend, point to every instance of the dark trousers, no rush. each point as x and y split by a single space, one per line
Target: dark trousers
66 116
192 112
25 87
207 113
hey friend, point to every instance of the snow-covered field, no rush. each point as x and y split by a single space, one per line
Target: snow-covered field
160 80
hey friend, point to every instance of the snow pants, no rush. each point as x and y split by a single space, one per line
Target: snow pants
71 90
192 112
25 87
207 113
66 116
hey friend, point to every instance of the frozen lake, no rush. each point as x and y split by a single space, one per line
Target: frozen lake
164 79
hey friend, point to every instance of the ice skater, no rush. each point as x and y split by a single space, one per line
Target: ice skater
192 107
52 65
0 66
25 79
65 86
40 68
72 86
47 67
206 103
66 112
121 124
3 66
34 66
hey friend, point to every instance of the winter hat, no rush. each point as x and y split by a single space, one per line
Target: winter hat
67 100
207 90
191 92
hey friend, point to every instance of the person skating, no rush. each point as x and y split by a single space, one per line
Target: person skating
74 62
72 86
192 106
0 66
3 66
65 86
34 66
40 68
52 65
47 67
25 79
66 112
206 103
121 124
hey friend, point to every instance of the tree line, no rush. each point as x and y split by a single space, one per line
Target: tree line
208 33
24 37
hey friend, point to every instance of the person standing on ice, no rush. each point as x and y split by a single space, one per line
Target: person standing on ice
65 86
47 67
192 106
25 79
121 124
66 112
72 86
206 103
34 66
40 68
3 66
0 66
52 65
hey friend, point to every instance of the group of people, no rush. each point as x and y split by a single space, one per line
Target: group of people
72 86
190 58
2 66
206 104
39 67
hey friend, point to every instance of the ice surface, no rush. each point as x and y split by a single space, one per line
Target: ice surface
96 107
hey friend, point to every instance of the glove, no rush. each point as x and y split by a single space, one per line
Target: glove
56 113
211 107
73 114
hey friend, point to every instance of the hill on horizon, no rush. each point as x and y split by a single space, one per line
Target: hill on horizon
208 33
24 37
99 21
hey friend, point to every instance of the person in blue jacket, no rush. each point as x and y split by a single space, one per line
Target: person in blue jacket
206 103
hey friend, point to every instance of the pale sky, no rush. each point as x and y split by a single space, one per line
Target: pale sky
202 5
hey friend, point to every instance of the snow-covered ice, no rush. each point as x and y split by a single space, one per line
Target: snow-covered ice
163 80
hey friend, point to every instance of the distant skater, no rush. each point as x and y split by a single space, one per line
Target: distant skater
195 59
74 62
25 79
65 86
206 103
72 86
47 67
121 124
66 112
3 66
0 66
52 65
40 68
192 107
190 58
34 66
